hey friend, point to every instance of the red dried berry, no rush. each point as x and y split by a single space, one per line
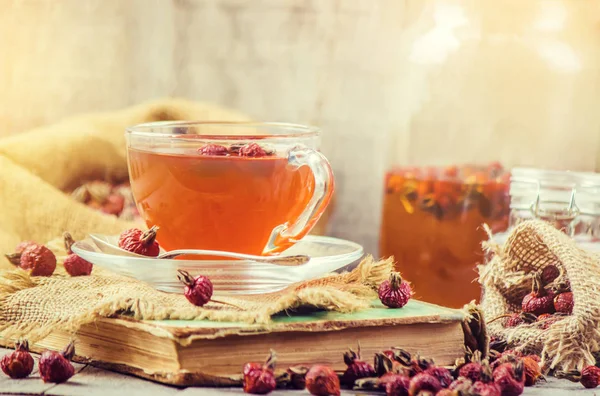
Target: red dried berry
520 318
397 385
486 389
471 371
23 245
356 369
252 150
15 258
563 303
114 204
259 378
213 149
297 376
540 300
510 378
547 320
197 290
549 274
424 382
38 260
394 293
322 381
55 367
461 384
75 265
532 370
140 242
18 364
590 377
442 374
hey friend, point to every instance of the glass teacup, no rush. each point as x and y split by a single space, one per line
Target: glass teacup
254 188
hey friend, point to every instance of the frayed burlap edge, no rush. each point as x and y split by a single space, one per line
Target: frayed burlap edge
569 343
346 292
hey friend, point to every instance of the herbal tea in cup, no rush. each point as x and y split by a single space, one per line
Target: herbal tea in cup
253 188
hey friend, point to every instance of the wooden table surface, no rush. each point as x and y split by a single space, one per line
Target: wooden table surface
92 381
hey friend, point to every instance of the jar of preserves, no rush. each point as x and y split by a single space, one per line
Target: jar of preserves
511 81
432 225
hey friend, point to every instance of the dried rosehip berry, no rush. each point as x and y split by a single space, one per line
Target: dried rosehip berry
486 386
471 371
397 385
563 303
113 204
252 150
356 369
590 377
461 384
213 149
394 293
259 378
486 389
197 290
424 382
532 370
18 364
519 318
55 367
539 301
297 376
140 242
322 381
547 320
549 274
38 260
15 258
510 378
442 374
75 265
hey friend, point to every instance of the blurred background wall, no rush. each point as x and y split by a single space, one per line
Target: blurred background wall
338 64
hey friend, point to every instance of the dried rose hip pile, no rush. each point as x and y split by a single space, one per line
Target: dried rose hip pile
396 372
38 260
550 300
113 199
235 150
54 367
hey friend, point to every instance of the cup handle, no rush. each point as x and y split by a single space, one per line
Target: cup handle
285 235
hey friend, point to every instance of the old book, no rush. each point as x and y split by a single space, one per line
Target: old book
203 353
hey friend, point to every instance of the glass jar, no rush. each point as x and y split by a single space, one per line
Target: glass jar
568 200
432 221
510 81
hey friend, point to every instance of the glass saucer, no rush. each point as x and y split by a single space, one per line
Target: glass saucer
230 276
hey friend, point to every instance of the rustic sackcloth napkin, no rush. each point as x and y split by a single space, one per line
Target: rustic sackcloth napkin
33 307
569 343
38 165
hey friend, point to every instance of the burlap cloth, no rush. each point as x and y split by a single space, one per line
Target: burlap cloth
532 245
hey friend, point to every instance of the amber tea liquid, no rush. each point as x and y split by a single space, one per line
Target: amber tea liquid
227 203
432 225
